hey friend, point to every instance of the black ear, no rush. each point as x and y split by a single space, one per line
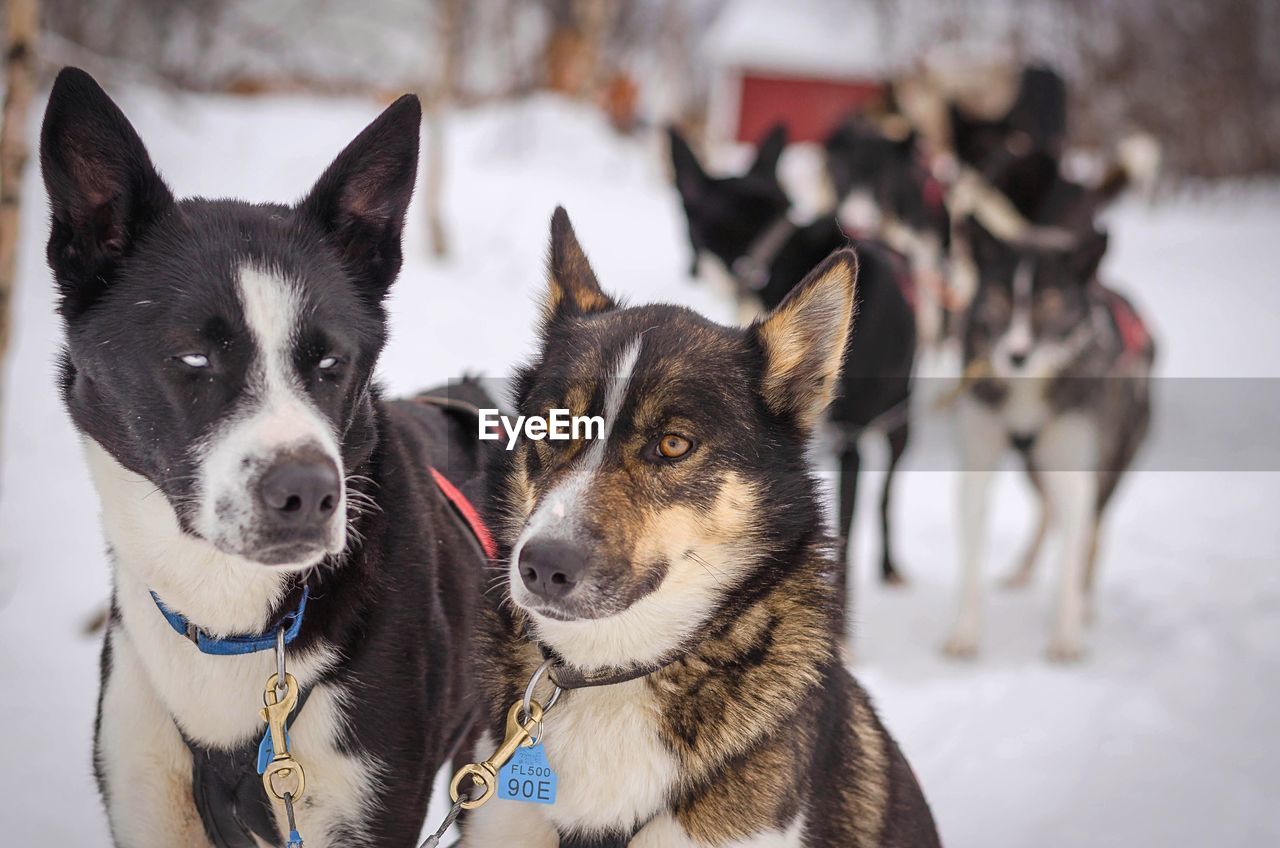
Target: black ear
804 339
572 288
1087 255
770 150
690 178
361 199
103 190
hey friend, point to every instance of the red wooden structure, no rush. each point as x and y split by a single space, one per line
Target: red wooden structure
805 63
810 106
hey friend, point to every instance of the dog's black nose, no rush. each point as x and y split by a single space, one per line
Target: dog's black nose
1018 359
550 568
300 491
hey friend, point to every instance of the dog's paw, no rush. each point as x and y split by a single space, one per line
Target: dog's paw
960 646
1065 651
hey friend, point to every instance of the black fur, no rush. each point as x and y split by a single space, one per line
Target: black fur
860 155
1020 154
143 276
726 216
1037 120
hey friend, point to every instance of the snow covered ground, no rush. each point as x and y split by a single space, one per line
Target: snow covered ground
1165 736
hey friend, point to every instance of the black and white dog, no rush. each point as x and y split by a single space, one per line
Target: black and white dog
218 364
1058 367
741 222
887 190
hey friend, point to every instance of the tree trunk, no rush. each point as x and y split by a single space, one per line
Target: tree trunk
22 23
448 37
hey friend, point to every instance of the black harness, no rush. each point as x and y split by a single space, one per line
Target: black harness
231 799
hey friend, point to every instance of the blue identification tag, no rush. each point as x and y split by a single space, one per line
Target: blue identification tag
267 751
528 776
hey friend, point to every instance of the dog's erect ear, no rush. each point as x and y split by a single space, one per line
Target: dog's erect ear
690 178
770 150
361 199
1087 255
572 288
103 190
804 340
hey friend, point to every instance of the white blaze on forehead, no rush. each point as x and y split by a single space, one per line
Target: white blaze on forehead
274 415
272 310
557 513
271 305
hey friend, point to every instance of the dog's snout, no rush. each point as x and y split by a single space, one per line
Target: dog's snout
551 568
300 491
1018 358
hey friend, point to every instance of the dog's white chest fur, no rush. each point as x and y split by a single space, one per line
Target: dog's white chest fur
613 771
159 682
613 768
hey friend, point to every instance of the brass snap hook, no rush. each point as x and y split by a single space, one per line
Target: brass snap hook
485 774
275 713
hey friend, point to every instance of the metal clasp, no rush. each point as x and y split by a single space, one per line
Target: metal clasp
486 774
275 714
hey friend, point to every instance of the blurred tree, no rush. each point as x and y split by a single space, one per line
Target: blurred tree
450 27
1202 77
21 28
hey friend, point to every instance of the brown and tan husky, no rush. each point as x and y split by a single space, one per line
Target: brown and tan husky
676 573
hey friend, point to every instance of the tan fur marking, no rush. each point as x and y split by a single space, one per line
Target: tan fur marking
559 293
682 536
707 719
754 795
869 798
804 341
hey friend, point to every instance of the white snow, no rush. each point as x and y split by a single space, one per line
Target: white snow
827 38
1163 737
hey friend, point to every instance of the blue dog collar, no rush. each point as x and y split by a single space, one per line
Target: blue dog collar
235 645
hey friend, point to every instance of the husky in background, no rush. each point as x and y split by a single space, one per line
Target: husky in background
680 564
741 223
219 367
1003 101
1059 369
887 190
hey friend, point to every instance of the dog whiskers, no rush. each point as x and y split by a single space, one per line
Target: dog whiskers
706 566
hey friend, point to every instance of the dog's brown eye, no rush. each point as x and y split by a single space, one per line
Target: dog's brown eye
672 446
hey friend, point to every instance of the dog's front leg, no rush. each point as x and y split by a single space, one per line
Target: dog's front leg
1067 451
982 441
144 766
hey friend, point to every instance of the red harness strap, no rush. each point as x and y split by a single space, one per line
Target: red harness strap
935 196
1133 333
468 513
